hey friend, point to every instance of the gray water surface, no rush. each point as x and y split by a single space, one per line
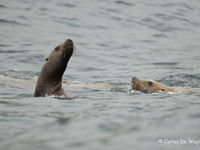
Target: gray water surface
115 40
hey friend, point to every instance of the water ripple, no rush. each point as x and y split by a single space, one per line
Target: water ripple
12 51
4 45
12 22
2 6
181 80
123 3
66 5
183 5
165 63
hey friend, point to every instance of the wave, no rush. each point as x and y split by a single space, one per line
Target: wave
13 22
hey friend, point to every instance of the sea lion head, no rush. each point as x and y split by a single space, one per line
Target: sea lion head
147 85
56 63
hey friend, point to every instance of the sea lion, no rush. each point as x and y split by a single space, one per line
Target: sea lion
50 79
154 86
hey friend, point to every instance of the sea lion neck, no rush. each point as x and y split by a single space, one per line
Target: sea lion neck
54 70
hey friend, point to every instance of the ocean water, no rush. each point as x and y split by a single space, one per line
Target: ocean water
115 40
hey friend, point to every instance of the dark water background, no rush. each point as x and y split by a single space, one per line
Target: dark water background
115 40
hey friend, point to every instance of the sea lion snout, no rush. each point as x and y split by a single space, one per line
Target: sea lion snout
133 83
68 43
68 47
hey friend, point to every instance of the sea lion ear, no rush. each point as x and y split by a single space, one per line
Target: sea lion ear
46 59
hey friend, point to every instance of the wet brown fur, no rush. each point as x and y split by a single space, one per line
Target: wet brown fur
153 86
50 79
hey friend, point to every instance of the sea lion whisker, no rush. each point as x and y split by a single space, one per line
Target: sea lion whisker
75 50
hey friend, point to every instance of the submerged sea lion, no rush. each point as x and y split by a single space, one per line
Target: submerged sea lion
50 79
154 86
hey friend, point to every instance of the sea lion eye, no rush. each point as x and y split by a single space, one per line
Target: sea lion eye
57 48
150 83
46 59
